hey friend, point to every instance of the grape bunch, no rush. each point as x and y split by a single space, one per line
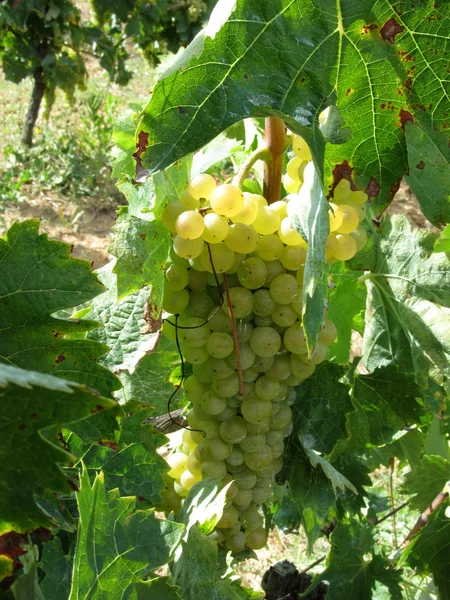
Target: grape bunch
233 299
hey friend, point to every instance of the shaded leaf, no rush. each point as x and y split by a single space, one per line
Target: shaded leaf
338 481
442 244
425 481
158 588
57 567
204 506
26 587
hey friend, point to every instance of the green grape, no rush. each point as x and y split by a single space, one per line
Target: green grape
188 441
249 390
261 494
212 404
218 449
220 345
177 463
236 457
227 200
282 394
301 148
267 220
281 368
280 207
222 258
358 197
216 469
172 500
300 369
175 302
235 542
232 489
284 315
202 186
188 480
247 359
282 418
275 436
220 321
195 355
194 465
350 220
241 238
274 268
253 443
201 374
328 333
245 479
258 428
218 368
190 225
196 264
242 498
360 209
188 201
293 257
170 214
249 210
225 388
263 303
179 489
270 247
259 460
295 168
196 280
234 402
256 411
263 321
241 302
294 339
265 341
209 427
216 228
217 536
277 449
250 375
229 517
176 278
259 199
266 389
168 329
346 247
233 431
318 355
193 388
232 277
188 248
360 237
200 305
251 519
244 331
336 217
342 191
331 246
284 289
198 335
227 414
288 234
292 186
264 363
252 273
201 452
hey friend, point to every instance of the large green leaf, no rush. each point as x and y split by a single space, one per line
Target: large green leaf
380 63
33 408
407 321
117 545
39 277
425 481
57 567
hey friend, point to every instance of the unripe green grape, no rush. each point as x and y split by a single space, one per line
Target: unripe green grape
267 220
335 216
177 463
200 413
264 363
360 209
253 443
201 374
265 341
208 426
346 247
197 265
258 428
188 248
331 246
231 274
294 381
293 257
218 368
222 258
318 355
168 329
227 200
218 449
172 500
234 402
216 228
233 431
350 220
200 306
274 268
358 197
202 186
212 404
188 201
269 247
360 237
282 394
294 339
282 418
275 436
198 335
219 345
229 517
295 168
192 419
170 214
227 414
288 234
261 494
175 302
242 498
193 388
216 469
220 321
251 519
235 542
263 303
188 441
176 277
252 273
217 536
259 460
263 321
277 449
249 210
241 302
342 191
188 480
292 186
179 489
266 389
284 315
236 457
190 225
245 479
328 333
195 355
247 359
194 465
284 289
281 368
177 260
225 388
196 280
241 238
301 148
256 411
233 487
297 303
250 375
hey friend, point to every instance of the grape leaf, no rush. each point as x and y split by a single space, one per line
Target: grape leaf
430 549
339 482
125 145
384 59
204 505
117 545
425 481
39 277
442 244
407 323
57 567
26 587
131 464
158 588
355 564
431 186
33 407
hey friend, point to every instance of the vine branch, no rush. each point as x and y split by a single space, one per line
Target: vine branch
275 139
423 519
